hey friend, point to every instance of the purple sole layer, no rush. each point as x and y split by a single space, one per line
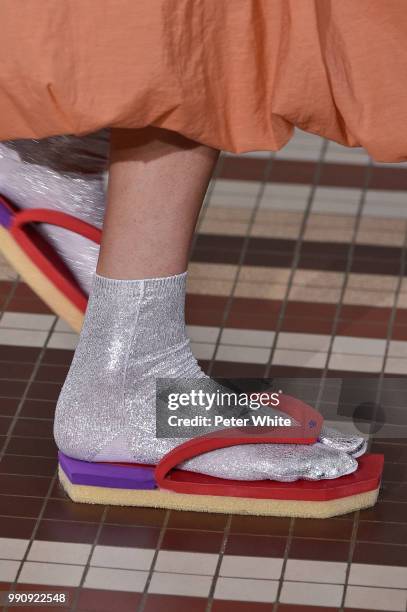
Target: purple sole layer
116 476
6 217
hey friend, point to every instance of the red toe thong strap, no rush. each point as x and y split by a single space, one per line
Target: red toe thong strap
306 430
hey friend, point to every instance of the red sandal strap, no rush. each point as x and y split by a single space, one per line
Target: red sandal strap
306 432
55 217
41 252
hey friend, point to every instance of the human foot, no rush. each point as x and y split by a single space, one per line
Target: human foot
134 333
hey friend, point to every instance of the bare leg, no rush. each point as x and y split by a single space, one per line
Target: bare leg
157 183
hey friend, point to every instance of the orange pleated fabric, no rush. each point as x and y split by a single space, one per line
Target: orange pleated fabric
233 74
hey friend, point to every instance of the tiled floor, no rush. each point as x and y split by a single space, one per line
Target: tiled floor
298 269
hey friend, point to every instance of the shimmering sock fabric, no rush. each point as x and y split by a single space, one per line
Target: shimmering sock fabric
133 333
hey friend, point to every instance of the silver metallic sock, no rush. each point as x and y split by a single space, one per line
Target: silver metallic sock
134 332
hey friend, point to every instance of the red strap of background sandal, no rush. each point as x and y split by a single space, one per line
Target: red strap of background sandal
306 432
55 217
49 262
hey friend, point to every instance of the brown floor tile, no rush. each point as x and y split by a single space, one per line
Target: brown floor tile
300 608
342 175
377 251
38 428
219 242
124 535
29 466
359 610
388 178
57 608
394 492
205 302
376 266
5 423
346 374
392 533
399 332
331 264
401 316
240 606
256 545
24 291
66 531
196 520
52 373
380 554
236 168
204 364
311 248
267 259
229 369
32 446
295 171
24 485
319 550
44 391
364 330
330 529
394 415
260 525
395 472
15 371
5 587
215 256
151 517
295 372
275 245
12 388
57 357
34 306
8 406
385 512
367 314
174 603
66 510
192 541
307 325
38 409
20 354
20 506
310 310
197 316
97 600
6 286
12 527
241 320
262 307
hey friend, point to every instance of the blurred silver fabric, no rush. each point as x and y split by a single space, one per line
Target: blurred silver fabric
64 173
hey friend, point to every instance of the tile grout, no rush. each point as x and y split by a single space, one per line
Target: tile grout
143 602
